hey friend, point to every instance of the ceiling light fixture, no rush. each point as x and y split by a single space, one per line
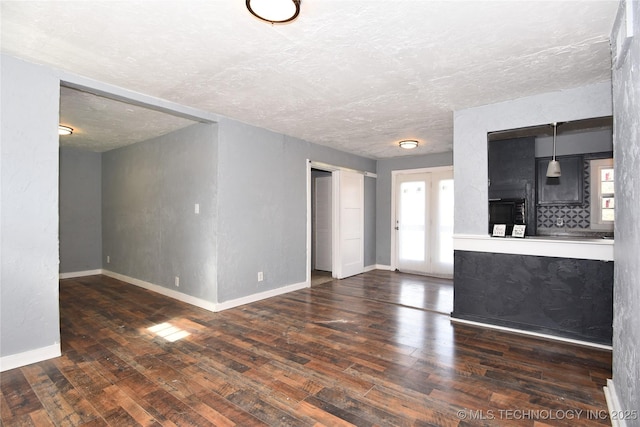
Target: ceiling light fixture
408 144
553 170
274 11
64 130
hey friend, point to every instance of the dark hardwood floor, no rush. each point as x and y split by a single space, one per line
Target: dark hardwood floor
350 352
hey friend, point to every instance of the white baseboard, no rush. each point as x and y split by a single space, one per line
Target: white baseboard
28 357
198 302
532 334
613 404
74 274
381 267
207 305
262 295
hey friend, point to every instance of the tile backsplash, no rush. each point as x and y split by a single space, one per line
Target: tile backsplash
573 216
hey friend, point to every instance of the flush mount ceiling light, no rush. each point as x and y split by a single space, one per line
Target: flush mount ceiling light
408 144
274 11
553 170
64 130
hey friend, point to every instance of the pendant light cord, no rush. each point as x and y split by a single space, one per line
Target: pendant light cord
554 141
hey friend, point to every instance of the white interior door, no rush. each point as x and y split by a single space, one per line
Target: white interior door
348 224
424 222
322 223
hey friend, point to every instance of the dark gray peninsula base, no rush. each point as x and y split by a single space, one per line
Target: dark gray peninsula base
564 297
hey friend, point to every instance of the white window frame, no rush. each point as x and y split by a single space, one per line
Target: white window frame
596 166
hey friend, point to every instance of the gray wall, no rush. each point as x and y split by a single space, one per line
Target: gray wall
470 129
149 228
29 316
80 210
626 315
383 195
262 207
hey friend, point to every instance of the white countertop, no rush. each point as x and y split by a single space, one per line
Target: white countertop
551 246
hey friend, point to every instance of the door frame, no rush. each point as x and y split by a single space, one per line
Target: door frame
310 164
394 175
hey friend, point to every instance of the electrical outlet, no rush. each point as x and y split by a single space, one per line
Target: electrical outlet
177 282
108 259
260 276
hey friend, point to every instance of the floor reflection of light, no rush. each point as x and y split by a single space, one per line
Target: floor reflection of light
411 324
168 332
444 336
443 300
411 294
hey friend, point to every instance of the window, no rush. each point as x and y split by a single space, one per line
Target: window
602 194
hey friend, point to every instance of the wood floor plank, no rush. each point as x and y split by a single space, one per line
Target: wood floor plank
359 407
345 352
41 418
18 397
52 398
328 414
231 411
413 408
259 408
168 409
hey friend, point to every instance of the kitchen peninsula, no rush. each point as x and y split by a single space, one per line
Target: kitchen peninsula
560 287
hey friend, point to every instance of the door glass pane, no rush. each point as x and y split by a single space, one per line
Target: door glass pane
445 221
412 221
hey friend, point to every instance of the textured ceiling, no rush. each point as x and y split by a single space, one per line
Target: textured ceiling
357 75
102 124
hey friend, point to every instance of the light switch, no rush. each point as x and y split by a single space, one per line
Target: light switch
197 208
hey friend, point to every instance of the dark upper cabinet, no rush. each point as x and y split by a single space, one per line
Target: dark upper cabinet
511 167
564 190
512 173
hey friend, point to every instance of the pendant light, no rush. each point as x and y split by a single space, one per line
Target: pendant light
553 170
274 11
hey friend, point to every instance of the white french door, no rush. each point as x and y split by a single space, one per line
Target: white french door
424 222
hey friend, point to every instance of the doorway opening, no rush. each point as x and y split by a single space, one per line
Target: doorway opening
335 230
321 226
100 124
422 221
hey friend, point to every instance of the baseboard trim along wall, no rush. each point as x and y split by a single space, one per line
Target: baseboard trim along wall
378 267
80 274
613 405
198 302
260 296
533 334
28 357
